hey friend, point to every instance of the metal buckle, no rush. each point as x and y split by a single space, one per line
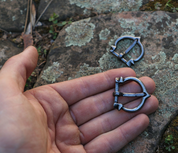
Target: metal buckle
121 55
116 94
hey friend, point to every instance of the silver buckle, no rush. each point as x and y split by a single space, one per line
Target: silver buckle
121 55
144 94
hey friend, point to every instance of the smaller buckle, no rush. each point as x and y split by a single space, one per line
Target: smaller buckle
121 55
144 94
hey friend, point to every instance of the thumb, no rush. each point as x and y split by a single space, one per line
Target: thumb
16 70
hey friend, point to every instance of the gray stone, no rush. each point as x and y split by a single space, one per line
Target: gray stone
82 48
12 14
71 8
7 50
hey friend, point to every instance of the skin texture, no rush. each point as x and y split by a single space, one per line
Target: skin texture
75 116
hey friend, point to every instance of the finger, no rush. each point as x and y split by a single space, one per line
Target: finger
113 119
113 141
17 69
96 105
86 86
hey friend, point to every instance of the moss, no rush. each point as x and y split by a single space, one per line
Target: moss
79 33
104 34
171 130
52 72
164 5
157 5
104 6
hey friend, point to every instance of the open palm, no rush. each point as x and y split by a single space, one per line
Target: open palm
75 116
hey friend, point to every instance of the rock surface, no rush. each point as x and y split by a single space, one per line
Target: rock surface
82 48
71 8
7 50
12 14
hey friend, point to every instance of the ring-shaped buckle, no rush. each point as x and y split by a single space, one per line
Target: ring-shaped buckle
144 94
121 55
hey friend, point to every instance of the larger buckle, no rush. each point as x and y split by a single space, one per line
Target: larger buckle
116 94
121 55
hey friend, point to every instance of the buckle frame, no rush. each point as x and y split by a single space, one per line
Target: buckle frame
116 94
121 55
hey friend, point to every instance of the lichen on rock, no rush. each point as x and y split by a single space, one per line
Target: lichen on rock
108 61
104 6
176 67
165 69
52 73
79 33
161 60
167 81
86 70
127 23
146 28
104 34
175 58
167 111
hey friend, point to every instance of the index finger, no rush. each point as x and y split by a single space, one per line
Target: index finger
80 88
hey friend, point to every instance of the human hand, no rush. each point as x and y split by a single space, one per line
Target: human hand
75 116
